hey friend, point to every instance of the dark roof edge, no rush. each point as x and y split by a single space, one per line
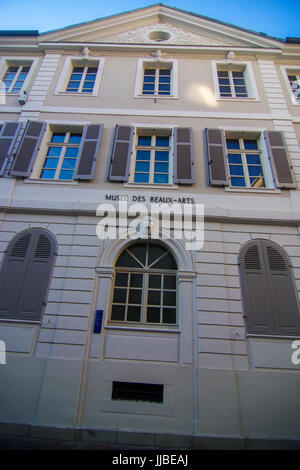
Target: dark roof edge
292 40
16 33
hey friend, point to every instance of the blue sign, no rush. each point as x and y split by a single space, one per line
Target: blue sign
98 321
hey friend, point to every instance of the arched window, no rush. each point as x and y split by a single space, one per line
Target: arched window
145 285
25 275
269 295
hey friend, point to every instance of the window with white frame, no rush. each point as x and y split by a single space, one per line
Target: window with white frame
157 78
247 161
15 73
61 155
152 157
80 76
294 79
234 80
145 285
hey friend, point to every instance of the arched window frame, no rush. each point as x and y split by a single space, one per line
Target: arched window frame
24 276
271 286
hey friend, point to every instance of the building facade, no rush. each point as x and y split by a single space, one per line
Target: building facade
114 325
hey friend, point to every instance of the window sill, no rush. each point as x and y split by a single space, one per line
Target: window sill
143 327
67 93
16 321
157 97
45 181
151 186
249 99
253 190
258 336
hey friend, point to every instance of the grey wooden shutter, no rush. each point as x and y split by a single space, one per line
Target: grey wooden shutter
278 153
8 135
216 157
286 318
121 152
25 275
270 300
88 151
258 310
28 148
183 155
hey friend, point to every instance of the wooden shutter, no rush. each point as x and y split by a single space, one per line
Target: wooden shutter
270 301
258 311
28 148
88 151
216 157
183 155
25 275
121 152
278 153
8 135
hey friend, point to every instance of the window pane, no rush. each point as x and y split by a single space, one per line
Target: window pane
149 79
154 252
222 73
154 297
236 170
142 167
135 296
71 152
133 313
232 143
161 167
255 170
121 279
139 251
118 312
65 175
166 262
75 138
153 315
143 155
234 158
54 151
161 156
48 174
169 282
136 280
169 298
119 295
162 141
149 71
253 159
169 315
141 178
250 144
58 137
51 163
144 140
69 164
155 281
238 182
126 260
161 179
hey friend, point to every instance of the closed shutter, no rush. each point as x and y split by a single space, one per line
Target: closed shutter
279 158
216 157
258 312
25 275
122 147
8 135
183 155
283 294
88 151
270 300
28 149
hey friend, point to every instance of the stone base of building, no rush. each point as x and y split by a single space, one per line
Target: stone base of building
14 436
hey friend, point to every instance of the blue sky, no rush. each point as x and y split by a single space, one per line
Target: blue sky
279 18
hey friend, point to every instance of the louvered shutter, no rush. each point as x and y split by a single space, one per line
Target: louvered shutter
283 295
279 158
28 148
8 135
88 151
258 313
25 275
183 155
216 157
121 152
270 300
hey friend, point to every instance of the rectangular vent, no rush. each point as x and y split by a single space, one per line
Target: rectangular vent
137 392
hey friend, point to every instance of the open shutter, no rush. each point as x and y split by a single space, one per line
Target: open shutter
278 153
28 149
183 155
283 295
8 135
216 157
120 160
88 151
258 312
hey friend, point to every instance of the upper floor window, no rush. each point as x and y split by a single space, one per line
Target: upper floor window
270 300
291 76
15 77
157 77
244 163
145 285
82 80
148 155
234 80
232 84
80 76
25 275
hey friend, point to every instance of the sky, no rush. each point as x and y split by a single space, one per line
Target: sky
278 18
